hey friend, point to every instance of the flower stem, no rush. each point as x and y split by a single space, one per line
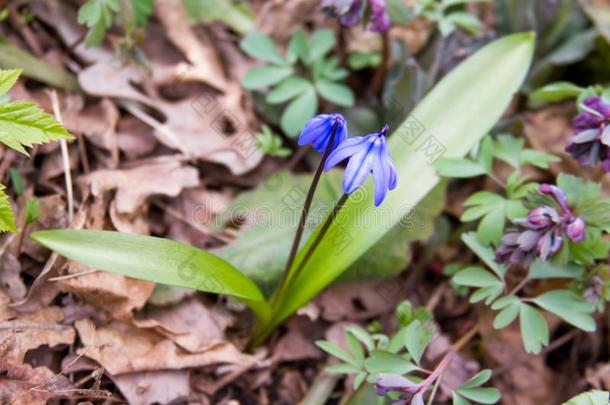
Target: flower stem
306 207
329 220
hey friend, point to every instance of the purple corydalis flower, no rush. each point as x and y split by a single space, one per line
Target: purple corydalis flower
367 154
349 12
591 141
541 232
319 130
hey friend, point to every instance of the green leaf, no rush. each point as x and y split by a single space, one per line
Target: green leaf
358 380
540 270
381 361
485 253
480 96
459 400
417 337
556 91
8 78
259 46
336 93
32 210
594 397
479 379
481 395
507 315
489 294
491 227
288 89
7 219
97 16
476 277
459 168
343 368
534 330
466 21
236 15
298 112
355 348
298 48
362 335
149 258
320 43
25 124
337 351
264 76
566 305
142 11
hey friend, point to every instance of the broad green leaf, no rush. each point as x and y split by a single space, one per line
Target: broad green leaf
236 15
479 379
566 305
298 112
150 258
320 43
381 361
459 168
8 78
556 91
481 395
259 46
288 89
272 212
534 330
264 76
336 93
478 98
32 210
594 397
7 219
25 124
476 277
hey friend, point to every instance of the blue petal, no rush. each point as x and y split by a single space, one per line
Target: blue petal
387 161
318 126
358 167
346 149
381 174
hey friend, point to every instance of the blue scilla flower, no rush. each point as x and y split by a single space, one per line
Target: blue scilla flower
319 130
367 154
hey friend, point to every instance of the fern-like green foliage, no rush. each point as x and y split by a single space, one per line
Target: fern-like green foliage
22 125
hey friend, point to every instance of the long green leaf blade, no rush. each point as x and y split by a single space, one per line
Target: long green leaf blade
149 258
455 115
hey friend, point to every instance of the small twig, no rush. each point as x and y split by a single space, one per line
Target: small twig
30 325
437 383
519 286
75 275
65 156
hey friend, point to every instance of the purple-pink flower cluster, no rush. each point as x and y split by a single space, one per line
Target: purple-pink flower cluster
350 12
591 141
542 232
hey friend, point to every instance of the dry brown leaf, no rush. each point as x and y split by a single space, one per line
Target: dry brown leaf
136 223
123 348
135 185
96 121
135 138
21 384
36 329
190 324
359 300
10 277
198 49
116 294
53 215
148 387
